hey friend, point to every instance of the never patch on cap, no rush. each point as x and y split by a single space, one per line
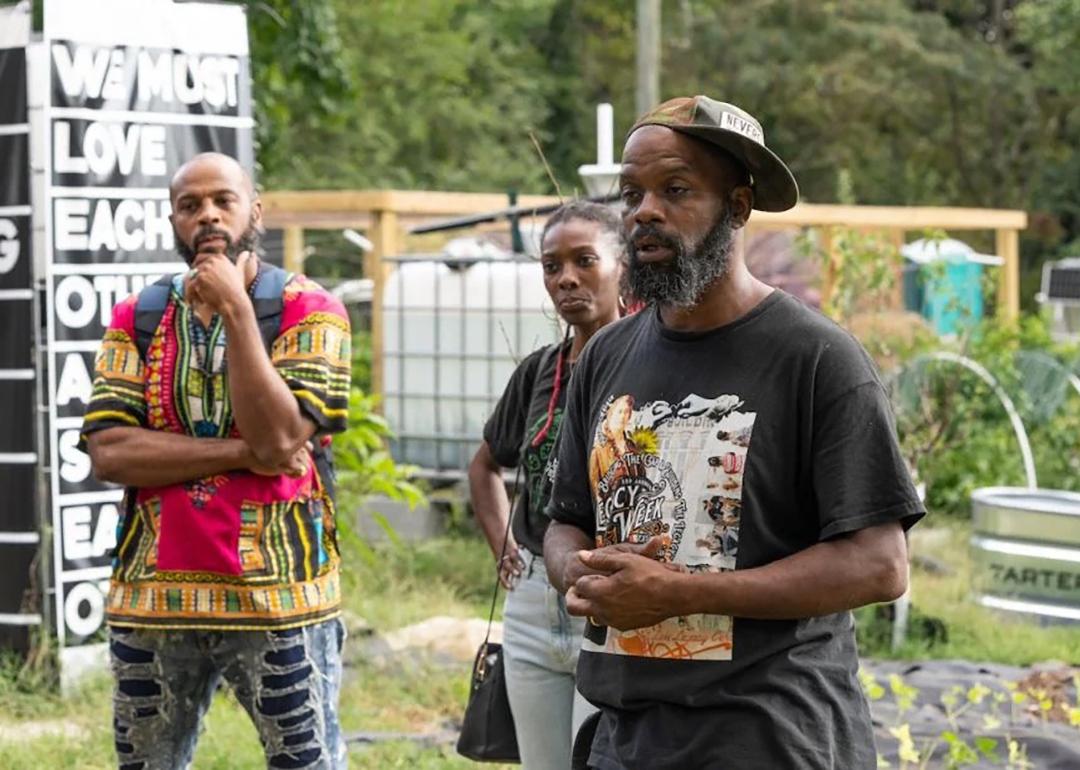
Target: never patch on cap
739 133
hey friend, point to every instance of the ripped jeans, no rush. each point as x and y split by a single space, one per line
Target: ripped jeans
287 681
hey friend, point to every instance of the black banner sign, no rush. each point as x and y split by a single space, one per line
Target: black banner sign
134 90
20 594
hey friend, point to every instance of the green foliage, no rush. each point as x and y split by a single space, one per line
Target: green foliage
1000 708
1049 30
950 102
441 97
956 433
919 112
300 80
361 360
364 466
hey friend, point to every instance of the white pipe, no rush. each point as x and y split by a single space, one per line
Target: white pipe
1075 382
605 135
1014 416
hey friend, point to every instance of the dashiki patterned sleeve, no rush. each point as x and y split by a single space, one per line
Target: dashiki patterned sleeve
118 397
313 353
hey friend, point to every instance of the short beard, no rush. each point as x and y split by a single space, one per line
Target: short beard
248 241
682 281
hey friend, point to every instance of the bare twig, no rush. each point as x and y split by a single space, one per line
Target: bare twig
509 345
547 166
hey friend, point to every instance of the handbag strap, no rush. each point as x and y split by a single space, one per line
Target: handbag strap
513 498
502 555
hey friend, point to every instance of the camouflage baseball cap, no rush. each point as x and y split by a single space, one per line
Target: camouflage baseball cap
736 131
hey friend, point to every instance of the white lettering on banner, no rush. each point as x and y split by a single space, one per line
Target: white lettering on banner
110 290
78 299
75 529
110 146
105 531
74 383
75 287
188 78
69 224
90 73
74 463
9 246
132 225
102 228
79 542
129 211
93 596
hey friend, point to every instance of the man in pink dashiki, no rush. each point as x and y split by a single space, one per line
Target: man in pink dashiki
215 393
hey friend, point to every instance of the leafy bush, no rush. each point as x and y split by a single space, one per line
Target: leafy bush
364 466
361 360
953 429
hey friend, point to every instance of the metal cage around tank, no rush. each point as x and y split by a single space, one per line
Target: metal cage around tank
453 331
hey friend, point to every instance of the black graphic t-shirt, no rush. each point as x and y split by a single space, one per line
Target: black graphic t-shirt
511 431
744 444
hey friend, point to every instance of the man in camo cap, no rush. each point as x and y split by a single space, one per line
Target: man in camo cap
762 495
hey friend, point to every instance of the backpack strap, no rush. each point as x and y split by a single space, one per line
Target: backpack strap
152 301
149 308
268 302
269 306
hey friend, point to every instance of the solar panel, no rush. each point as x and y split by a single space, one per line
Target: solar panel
1061 281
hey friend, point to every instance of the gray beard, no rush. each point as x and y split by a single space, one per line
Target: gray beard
682 281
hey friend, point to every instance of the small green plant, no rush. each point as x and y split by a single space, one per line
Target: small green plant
958 700
361 360
365 468
364 465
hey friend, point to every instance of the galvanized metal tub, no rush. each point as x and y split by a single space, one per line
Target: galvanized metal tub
1025 546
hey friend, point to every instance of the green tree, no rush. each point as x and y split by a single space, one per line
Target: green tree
442 95
915 109
299 79
1050 29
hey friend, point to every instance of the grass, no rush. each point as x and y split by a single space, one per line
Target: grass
392 586
395 585
973 632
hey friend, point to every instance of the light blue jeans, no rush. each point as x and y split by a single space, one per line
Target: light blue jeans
541 642
287 681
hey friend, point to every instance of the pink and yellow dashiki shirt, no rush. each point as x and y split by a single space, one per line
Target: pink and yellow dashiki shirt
234 551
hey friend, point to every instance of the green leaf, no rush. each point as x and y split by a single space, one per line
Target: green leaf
987 747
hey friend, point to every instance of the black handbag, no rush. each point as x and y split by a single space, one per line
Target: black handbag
487 730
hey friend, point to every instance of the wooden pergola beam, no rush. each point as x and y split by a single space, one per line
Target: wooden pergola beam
385 214
892 217
406 203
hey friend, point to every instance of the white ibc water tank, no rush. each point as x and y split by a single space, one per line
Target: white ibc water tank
452 335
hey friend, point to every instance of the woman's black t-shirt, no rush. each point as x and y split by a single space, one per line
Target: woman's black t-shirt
520 415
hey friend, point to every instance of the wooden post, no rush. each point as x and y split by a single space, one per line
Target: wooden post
896 238
832 271
385 240
294 249
1008 248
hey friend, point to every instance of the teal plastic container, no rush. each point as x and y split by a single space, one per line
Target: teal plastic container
946 290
